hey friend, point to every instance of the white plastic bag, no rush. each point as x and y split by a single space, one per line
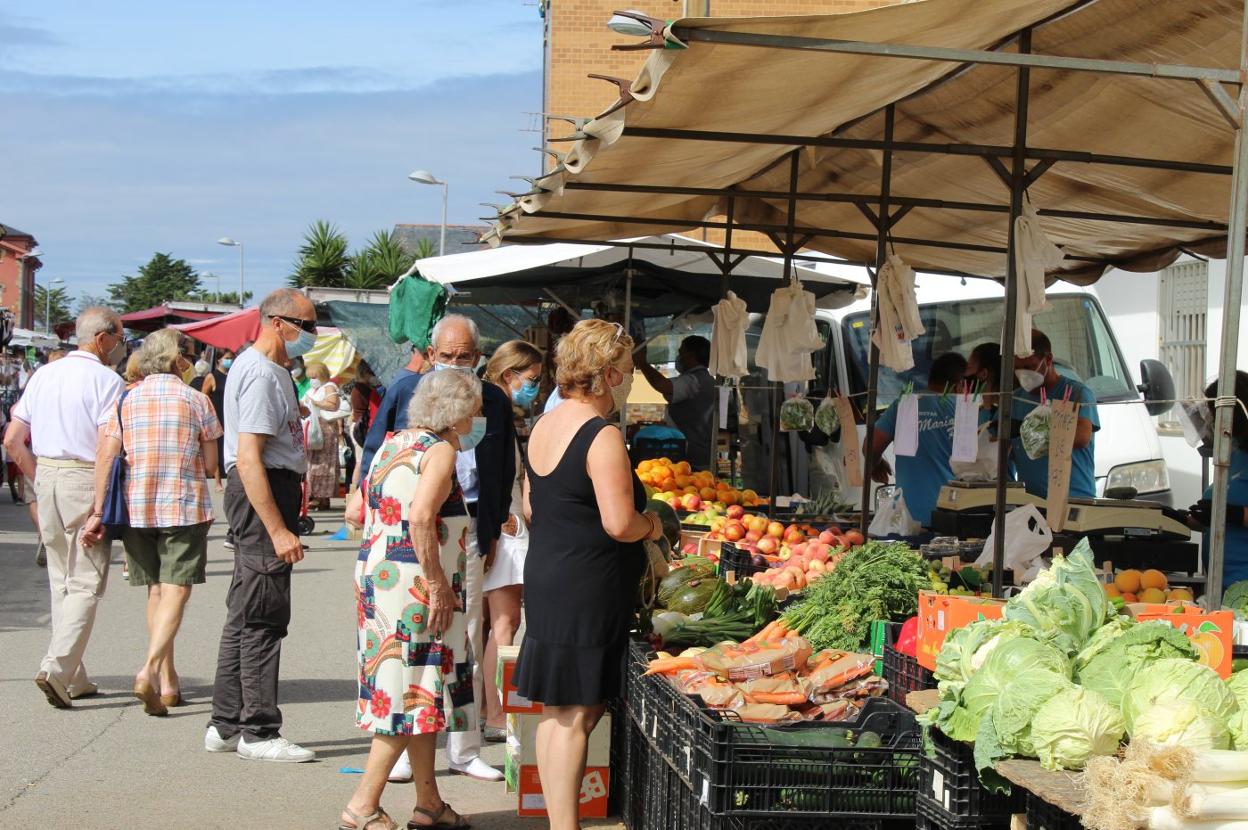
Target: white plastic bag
315 436
892 518
1027 536
984 467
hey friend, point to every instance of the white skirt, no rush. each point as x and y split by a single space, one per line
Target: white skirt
508 561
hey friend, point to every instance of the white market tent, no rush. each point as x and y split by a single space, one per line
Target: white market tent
922 129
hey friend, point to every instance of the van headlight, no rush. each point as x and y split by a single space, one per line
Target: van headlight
1144 476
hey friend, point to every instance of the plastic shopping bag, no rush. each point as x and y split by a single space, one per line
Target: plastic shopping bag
1034 432
826 418
892 518
796 415
1027 536
315 435
984 467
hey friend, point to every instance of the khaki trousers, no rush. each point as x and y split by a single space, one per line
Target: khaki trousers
77 576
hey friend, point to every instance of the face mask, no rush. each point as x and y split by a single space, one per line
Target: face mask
526 394
118 354
438 367
227 362
1029 379
474 435
188 374
302 345
316 384
619 394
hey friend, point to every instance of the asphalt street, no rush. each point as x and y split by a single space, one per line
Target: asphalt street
104 764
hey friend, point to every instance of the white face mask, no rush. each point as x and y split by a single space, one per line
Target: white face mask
619 394
1029 379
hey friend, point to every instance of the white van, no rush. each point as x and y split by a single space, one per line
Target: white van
959 315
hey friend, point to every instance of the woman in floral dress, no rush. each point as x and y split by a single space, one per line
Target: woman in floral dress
415 661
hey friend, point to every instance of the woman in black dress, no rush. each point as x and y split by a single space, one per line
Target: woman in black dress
585 557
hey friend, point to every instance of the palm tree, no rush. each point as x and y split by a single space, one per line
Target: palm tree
323 259
380 263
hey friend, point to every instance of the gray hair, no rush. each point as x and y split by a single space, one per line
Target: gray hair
444 398
284 302
456 320
94 320
160 352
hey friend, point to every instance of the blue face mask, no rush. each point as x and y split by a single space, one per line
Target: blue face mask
474 436
526 394
301 346
227 362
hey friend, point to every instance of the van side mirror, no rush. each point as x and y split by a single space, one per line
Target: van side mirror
1157 387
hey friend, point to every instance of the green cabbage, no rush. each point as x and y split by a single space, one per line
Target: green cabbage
966 649
1066 601
1121 652
1176 680
1238 684
1182 723
1073 726
1006 729
1238 723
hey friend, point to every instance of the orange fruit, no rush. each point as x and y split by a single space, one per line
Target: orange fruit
1128 581
707 493
683 468
728 496
684 480
1180 595
1153 579
1111 591
1152 595
749 495
1127 596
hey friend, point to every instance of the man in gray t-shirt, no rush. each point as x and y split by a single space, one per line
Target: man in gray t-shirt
265 463
691 398
260 399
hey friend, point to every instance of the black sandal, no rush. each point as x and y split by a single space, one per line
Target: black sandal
457 822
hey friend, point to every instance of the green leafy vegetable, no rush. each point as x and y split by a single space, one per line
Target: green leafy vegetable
1034 432
966 649
1174 680
1073 726
1065 601
1006 728
1119 652
1182 723
878 581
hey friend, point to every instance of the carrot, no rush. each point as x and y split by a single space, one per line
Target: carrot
781 698
768 631
670 665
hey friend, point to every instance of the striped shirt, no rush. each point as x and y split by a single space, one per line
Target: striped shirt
165 422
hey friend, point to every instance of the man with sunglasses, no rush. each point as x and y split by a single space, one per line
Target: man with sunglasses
265 461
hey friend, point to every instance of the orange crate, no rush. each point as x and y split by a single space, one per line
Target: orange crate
593 792
941 613
1210 631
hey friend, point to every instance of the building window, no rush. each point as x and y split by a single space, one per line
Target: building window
1182 315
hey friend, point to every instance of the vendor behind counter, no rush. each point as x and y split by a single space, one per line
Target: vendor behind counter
691 398
1235 559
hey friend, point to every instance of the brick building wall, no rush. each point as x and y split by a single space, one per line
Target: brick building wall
579 43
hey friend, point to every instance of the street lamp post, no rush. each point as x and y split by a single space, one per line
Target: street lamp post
230 243
47 304
425 177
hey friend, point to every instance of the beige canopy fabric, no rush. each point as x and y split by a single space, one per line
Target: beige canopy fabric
740 89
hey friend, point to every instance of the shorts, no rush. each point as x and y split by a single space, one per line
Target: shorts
509 559
167 555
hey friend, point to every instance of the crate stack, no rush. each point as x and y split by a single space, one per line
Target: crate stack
678 764
950 795
520 767
903 672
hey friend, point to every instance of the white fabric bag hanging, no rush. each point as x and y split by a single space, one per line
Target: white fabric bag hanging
728 354
898 321
789 335
892 518
1034 255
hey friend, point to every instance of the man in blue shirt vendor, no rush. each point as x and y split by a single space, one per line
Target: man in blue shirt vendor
1035 372
1235 556
921 475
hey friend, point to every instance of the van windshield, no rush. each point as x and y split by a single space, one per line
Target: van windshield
1083 345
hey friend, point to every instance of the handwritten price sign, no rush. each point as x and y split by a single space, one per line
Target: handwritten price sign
1062 423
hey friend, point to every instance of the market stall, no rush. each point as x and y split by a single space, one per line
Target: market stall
952 137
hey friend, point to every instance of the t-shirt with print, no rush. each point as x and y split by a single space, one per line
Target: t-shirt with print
920 476
260 400
1034 474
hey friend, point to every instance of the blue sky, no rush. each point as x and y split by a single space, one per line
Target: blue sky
148 126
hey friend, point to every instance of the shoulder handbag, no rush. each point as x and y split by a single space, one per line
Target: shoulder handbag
343 410
116 514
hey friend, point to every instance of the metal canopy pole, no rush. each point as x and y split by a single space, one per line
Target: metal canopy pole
1005 397
777 393
883 223
1224 409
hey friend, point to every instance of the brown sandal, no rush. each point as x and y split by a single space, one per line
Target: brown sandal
457 821
151 699
366 822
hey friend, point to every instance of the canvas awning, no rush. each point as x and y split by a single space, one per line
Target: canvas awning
157 317
639 169
669 273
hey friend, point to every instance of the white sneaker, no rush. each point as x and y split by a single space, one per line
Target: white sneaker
402 772
278 750
478 769
213 742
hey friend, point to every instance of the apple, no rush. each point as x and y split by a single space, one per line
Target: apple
712 558
753 536
734 531
767 545
815 566
735 511
758 523
827 537
793 535
785 554
853 538
691 502
776 530
690 549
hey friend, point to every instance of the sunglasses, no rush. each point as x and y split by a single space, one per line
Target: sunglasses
307 325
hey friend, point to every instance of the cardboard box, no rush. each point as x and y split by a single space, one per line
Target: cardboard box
1211 632
522 735
941 613
504 681
594 787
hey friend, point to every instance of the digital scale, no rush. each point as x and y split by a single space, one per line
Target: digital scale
966 508
1124 517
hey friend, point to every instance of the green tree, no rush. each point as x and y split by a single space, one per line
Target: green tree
380 263
162 279
86 301
55 303
323 260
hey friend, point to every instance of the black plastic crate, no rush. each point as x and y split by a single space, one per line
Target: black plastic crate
737 560
949 784
904 674
1041 815
748 769
930 817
